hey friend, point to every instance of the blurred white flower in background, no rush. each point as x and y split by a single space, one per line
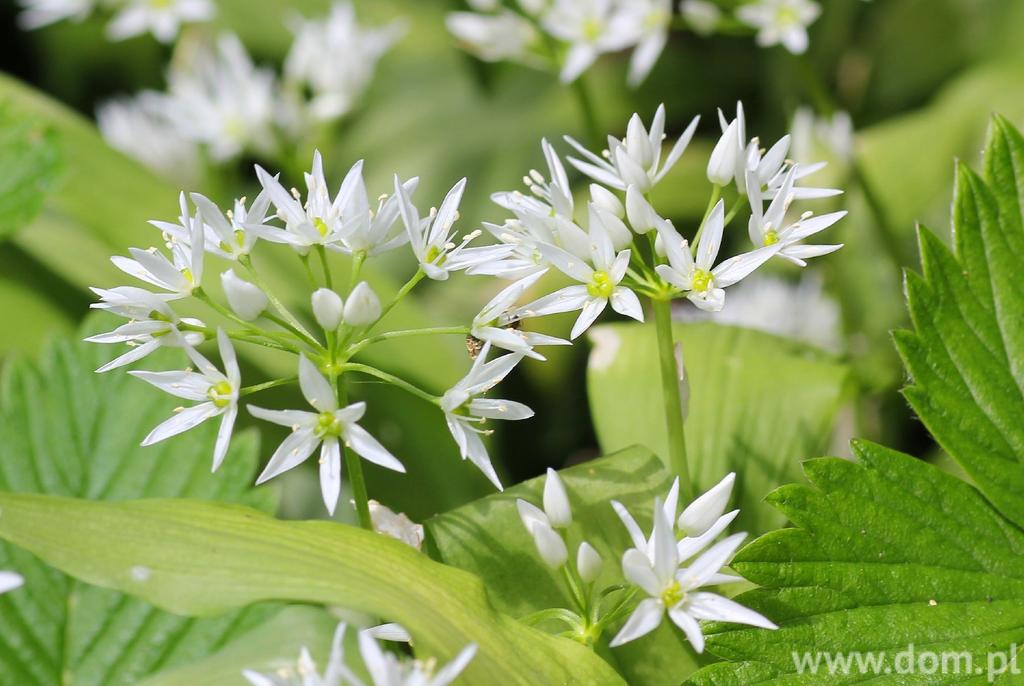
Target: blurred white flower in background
814 136
590 28
493 38
334 59
702 16
782 22
220 99
162 18
39 13
141 128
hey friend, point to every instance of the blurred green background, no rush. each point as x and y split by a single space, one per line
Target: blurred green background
919 78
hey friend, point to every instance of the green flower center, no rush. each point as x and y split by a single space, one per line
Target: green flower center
327 425
787 16
321 226
592 28
672 595
600 285
434 255
702 280
239 241
187 273
771 237
220 394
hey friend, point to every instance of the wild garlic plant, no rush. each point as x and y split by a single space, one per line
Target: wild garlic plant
666 569
627 251
568 36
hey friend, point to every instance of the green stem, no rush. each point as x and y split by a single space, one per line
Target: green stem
357 264
322 252
354 466
309 272
301 333
249 390
402 292
677 458
293 324
390 378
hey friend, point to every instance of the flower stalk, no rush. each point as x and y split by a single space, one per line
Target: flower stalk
678 461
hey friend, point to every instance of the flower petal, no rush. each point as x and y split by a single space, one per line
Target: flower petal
645 619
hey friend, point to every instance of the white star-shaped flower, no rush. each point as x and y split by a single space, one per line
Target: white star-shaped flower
465 411
767 228
635 160
162 18
702 282
599 283
431 237
326 428
591 27
217 391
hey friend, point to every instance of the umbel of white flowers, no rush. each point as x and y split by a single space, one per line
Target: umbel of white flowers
384 668
612 252
669 567
586 29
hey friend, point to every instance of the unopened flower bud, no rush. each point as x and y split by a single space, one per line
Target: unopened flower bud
556 501
722 165
606 200
588 562
246 300
363 306
642 216
328 308
703 512
550 545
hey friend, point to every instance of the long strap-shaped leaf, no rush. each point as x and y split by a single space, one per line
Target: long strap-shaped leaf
201 558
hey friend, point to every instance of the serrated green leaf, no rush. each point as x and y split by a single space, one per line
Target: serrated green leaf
965 352
487 538
888 552
31 162
731 427
69 431
203 558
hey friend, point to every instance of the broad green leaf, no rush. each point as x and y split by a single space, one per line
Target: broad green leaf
887 553
269 646
204 558
487 538
69 431
966 352
758 404
31 161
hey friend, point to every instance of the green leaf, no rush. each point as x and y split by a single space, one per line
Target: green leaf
888 552
487 538
267 647
966 352
893 552
203 558
30 160
69 431
758 403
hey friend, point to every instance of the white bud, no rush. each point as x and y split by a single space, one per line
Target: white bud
606 200
588 562
327 308
722 165
703 512
363 306
702 16
550 545
556 501
615 228
642 216
246 300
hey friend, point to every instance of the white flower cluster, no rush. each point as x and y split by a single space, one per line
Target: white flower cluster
572 34
219 105
384 668
607 263
669 567
162 18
